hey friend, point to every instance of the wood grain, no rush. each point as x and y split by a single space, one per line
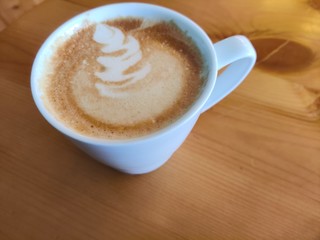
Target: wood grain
250 169
11 10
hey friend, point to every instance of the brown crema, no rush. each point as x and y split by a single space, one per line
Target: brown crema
143 107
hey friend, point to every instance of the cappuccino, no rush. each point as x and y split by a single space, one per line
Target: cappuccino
123 78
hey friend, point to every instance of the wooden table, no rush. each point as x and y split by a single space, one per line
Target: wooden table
249 170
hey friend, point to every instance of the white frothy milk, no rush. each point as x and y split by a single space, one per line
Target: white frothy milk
124 78
114 40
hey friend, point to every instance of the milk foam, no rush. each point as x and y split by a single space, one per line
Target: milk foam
124 78
115 40
156 93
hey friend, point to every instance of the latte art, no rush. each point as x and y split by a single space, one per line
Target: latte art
123 78
116 66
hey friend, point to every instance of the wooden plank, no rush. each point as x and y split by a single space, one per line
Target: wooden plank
250 169
11 10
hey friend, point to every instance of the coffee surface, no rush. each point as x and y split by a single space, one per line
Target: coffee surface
123 78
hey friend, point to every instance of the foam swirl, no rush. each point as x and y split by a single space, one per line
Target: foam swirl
114 40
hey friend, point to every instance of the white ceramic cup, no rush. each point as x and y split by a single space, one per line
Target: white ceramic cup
147 153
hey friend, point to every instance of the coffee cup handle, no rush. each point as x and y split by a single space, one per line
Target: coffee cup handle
237 52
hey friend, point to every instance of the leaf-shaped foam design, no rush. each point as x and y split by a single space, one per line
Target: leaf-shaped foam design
115 40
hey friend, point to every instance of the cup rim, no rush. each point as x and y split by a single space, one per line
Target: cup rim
189 114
